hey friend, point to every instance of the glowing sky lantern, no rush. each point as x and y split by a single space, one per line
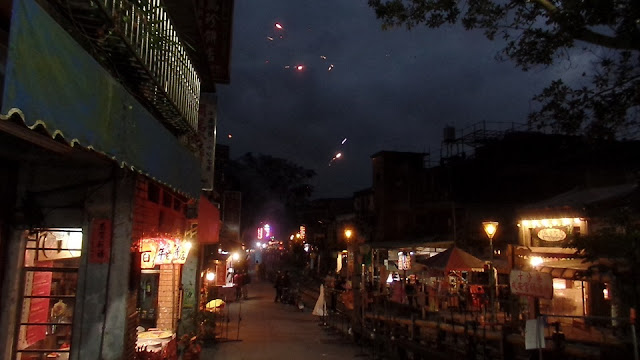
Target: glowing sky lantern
299 67
278 26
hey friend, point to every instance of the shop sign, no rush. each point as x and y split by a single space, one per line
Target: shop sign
162 251
552 234
531 283
404 261
100 241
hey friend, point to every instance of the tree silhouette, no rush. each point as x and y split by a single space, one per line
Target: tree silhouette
273 190
604 103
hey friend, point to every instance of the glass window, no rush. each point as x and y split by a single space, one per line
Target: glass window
50 273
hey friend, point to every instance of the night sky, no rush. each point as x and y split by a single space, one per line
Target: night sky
388 90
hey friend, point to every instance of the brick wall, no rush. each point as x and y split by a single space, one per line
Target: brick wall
153 216
168 296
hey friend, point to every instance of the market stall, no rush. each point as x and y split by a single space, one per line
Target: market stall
451 281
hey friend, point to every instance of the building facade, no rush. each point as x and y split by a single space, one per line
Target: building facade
104 173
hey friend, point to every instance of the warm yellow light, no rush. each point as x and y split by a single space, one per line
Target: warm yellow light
566 221
559 284
490 228
210 276
291 237
545 223
554 222
236 256
188 245
576 221
348 233
526 223
535 223
535 261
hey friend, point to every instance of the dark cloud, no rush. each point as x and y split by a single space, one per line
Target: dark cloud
389 90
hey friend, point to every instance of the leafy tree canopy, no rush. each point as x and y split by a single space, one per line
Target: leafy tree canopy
605 103
272 189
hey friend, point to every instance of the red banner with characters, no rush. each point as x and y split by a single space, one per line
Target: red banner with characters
100 241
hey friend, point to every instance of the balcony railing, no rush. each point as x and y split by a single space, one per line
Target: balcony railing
143 48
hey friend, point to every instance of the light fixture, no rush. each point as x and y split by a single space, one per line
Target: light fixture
210 276
535 261
490 227
348 233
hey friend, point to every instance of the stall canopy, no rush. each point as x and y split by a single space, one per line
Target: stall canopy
453 259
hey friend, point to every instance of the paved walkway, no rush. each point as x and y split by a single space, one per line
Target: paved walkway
274 331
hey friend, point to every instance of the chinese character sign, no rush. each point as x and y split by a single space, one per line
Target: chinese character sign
160 251
100 241
531 283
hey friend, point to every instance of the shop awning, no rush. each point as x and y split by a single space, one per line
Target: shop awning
453 259
54 86
546 252
574 269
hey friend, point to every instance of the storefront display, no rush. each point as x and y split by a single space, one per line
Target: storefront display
50 274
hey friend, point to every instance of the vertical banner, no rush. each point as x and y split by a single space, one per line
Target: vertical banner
100 241
207 119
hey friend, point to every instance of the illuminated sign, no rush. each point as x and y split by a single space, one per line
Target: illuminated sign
552 234
531 283
404 261
161 251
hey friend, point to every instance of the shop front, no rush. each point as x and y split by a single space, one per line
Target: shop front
160 292
49 281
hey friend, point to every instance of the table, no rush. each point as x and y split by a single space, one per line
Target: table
157 349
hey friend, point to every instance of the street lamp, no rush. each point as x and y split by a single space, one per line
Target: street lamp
490 228
348 233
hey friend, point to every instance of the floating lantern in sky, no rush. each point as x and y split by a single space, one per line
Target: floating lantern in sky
270 38
278 26
299 67
330 67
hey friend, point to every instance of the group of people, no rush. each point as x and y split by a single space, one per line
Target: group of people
240 280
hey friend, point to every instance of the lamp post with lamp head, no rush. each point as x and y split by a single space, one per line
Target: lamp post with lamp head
490 228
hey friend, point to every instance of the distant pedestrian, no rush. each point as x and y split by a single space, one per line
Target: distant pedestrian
410 290
278 286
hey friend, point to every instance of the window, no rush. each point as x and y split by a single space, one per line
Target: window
50 279
153 193
167 200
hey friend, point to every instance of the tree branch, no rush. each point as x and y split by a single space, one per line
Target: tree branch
611 42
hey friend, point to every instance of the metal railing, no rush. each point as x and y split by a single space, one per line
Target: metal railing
147 29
